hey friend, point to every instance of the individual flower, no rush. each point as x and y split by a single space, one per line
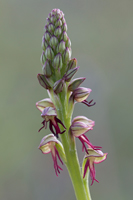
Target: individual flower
81 125
91 158
50 144
80 94
49 115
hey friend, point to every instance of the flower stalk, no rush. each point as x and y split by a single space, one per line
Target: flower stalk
58 70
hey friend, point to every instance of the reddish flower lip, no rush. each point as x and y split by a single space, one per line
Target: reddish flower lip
56 166
49 144
93 157
92 171
49 115
83 138
88 103
53 124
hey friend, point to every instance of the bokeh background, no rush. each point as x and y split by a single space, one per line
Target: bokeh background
102 41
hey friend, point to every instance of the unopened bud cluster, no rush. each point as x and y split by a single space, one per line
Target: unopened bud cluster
58 70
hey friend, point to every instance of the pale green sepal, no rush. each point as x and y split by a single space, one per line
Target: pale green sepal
96 155
85 120
48 111
75 83
44 103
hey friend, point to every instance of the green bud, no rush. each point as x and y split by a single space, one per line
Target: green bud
48 21
47 36
70 73
44 44
43 59
49 53
68 42
53 41
53 19
46 69
57 62
50 27
58 31
67 55
75 83
63 20
58 86
64 36
64 27
57 12
61 47
72 64
43 81
58 23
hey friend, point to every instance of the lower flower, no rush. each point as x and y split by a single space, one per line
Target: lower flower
81 125
91 158
50 144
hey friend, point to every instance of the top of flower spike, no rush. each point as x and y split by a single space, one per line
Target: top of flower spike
56 45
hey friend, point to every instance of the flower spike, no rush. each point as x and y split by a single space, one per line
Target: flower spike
58 70
50 144
91 158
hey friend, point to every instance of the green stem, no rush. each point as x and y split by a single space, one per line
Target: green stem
73 166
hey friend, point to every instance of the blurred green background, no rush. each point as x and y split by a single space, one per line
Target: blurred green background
102 41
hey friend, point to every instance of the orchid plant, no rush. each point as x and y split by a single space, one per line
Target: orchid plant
64 92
